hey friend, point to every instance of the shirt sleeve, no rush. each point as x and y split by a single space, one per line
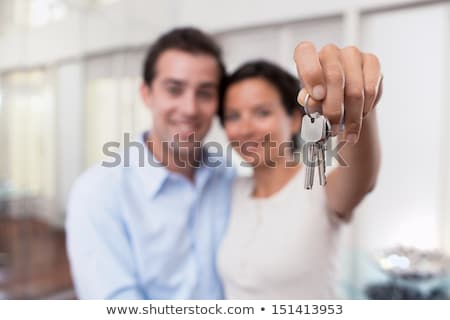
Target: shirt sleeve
98 244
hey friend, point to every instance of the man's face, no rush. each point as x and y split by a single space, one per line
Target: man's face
183 96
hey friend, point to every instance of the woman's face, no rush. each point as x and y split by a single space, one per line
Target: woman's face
257 123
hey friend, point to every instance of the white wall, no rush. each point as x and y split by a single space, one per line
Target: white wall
277 42
271 29
121 24
130 23
70 128
406 207
234 14
445 134
3 137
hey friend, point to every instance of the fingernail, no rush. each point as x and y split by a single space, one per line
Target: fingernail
318 92
351 138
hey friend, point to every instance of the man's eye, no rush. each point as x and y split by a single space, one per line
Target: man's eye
205 94
175 91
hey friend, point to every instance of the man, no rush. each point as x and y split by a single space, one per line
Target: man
151 231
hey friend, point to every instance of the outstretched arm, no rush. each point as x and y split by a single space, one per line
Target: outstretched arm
345 85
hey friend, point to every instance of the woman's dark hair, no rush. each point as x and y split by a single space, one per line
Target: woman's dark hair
187 39
286 84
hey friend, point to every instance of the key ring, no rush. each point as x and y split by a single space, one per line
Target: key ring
305 106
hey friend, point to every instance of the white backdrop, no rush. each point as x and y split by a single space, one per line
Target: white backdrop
406 207
95 53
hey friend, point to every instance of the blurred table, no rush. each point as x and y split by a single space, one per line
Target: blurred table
367 281
33 260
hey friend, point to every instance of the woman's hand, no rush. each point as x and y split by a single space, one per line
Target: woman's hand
346 83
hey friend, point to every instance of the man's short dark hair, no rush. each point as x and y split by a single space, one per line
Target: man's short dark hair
190 40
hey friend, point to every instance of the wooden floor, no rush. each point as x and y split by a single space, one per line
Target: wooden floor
33 260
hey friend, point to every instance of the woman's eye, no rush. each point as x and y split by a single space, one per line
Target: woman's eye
231 116
263 113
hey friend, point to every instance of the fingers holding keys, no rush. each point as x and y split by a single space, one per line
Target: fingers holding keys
333 104
346 82
310 70
312 105
372 81
379 93
322 76
354 93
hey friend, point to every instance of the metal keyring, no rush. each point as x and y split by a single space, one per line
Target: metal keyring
305 106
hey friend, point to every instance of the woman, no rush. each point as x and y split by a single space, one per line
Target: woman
281 242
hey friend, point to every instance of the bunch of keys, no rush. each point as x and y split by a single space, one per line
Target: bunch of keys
315 132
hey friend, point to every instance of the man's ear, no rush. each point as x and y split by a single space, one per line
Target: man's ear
296 121
146 95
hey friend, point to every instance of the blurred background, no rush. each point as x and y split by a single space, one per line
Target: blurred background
69 77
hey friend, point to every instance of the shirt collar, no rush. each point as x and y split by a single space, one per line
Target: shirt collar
152 173
144 164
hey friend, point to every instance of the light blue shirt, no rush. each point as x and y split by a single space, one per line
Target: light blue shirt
142 232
